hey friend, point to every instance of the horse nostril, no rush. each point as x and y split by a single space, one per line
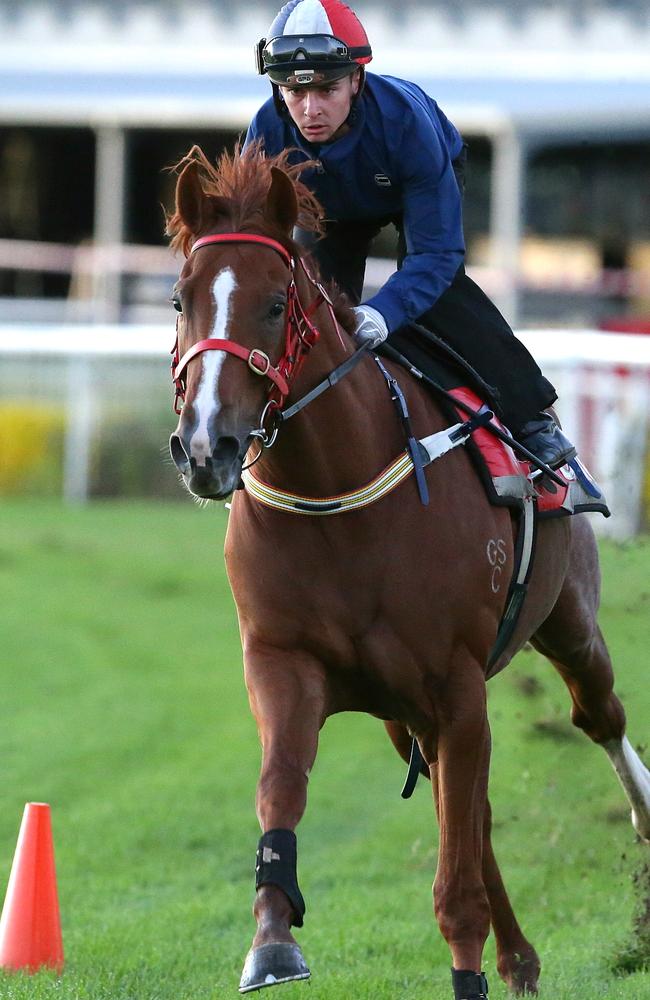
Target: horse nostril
226 450
179 455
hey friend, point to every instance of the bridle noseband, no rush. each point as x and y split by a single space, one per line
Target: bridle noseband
300 332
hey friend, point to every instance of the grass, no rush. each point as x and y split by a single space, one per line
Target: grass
123 706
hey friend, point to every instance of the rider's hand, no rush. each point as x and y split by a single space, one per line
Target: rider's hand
371 327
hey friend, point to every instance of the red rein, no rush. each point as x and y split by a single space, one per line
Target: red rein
300 332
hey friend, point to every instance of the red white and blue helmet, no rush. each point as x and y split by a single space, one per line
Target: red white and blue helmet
312 42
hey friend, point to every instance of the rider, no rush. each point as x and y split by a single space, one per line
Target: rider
385 152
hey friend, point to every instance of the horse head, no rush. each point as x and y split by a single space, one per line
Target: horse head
234 299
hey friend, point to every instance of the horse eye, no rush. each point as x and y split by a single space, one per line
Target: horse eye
177 304
276 310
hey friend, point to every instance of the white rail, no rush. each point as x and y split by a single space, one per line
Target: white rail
603 381
97 261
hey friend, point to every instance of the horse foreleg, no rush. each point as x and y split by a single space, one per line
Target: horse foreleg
517 961
460 899
287 697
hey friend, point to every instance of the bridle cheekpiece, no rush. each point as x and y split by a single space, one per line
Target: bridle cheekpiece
300 332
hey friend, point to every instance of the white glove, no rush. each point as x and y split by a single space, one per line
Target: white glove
371 327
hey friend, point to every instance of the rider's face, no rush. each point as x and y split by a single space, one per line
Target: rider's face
319 112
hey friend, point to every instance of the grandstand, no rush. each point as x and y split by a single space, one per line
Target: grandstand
97 97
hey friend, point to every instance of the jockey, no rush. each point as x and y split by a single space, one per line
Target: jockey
385 152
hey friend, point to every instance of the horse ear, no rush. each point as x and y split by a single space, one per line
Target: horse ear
281 208
190 197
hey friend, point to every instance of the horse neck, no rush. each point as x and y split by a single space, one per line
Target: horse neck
334 443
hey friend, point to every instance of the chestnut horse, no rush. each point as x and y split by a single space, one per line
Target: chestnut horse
387 609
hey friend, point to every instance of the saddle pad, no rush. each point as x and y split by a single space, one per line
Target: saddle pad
507 480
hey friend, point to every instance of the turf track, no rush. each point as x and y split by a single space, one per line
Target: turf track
123 706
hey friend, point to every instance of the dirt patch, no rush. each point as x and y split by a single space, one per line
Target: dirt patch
555 729
634 955
528 685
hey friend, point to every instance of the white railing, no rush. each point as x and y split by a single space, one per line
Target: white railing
603 381
603 384
90 264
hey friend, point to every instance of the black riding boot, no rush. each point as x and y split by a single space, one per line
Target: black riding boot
546 441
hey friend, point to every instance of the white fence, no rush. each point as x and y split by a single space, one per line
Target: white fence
603 384
603 381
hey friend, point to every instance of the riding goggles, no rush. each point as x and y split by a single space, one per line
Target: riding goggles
287 53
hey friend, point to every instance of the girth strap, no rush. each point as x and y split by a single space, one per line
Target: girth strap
414 771
524 557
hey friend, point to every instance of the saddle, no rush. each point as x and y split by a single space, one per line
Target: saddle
506 478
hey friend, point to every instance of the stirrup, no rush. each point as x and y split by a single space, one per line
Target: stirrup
546 441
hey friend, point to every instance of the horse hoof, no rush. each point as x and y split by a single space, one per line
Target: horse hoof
271 964
520 971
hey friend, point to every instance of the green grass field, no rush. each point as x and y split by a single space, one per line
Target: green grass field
124 707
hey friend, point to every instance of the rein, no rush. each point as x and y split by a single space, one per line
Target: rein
300 333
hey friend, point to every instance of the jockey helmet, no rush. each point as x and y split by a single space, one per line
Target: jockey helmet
312 42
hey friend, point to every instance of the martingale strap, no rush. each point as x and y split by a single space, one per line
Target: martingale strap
399 399
430 448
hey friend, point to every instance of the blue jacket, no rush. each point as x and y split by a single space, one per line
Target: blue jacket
396 161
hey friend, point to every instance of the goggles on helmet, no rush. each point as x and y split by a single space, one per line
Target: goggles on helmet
290 58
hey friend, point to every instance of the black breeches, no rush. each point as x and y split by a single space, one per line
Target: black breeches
463 316
469 322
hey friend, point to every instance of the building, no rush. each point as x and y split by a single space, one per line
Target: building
554 99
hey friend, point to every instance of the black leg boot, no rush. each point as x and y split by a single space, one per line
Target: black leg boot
469 985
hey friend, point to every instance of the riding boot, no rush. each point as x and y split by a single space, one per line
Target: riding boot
546 441
469 985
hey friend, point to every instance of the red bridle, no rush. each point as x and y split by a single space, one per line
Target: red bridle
300 332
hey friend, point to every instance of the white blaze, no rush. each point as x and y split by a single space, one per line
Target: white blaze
205 401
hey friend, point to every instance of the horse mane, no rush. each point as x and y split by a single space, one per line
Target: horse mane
240 182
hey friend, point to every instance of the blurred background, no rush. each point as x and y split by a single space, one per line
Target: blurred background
98 98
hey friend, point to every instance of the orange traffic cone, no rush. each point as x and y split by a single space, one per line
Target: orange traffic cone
30 927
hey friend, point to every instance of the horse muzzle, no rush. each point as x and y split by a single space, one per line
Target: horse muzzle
213 476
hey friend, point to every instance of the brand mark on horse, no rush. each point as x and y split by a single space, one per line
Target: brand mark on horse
497 557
